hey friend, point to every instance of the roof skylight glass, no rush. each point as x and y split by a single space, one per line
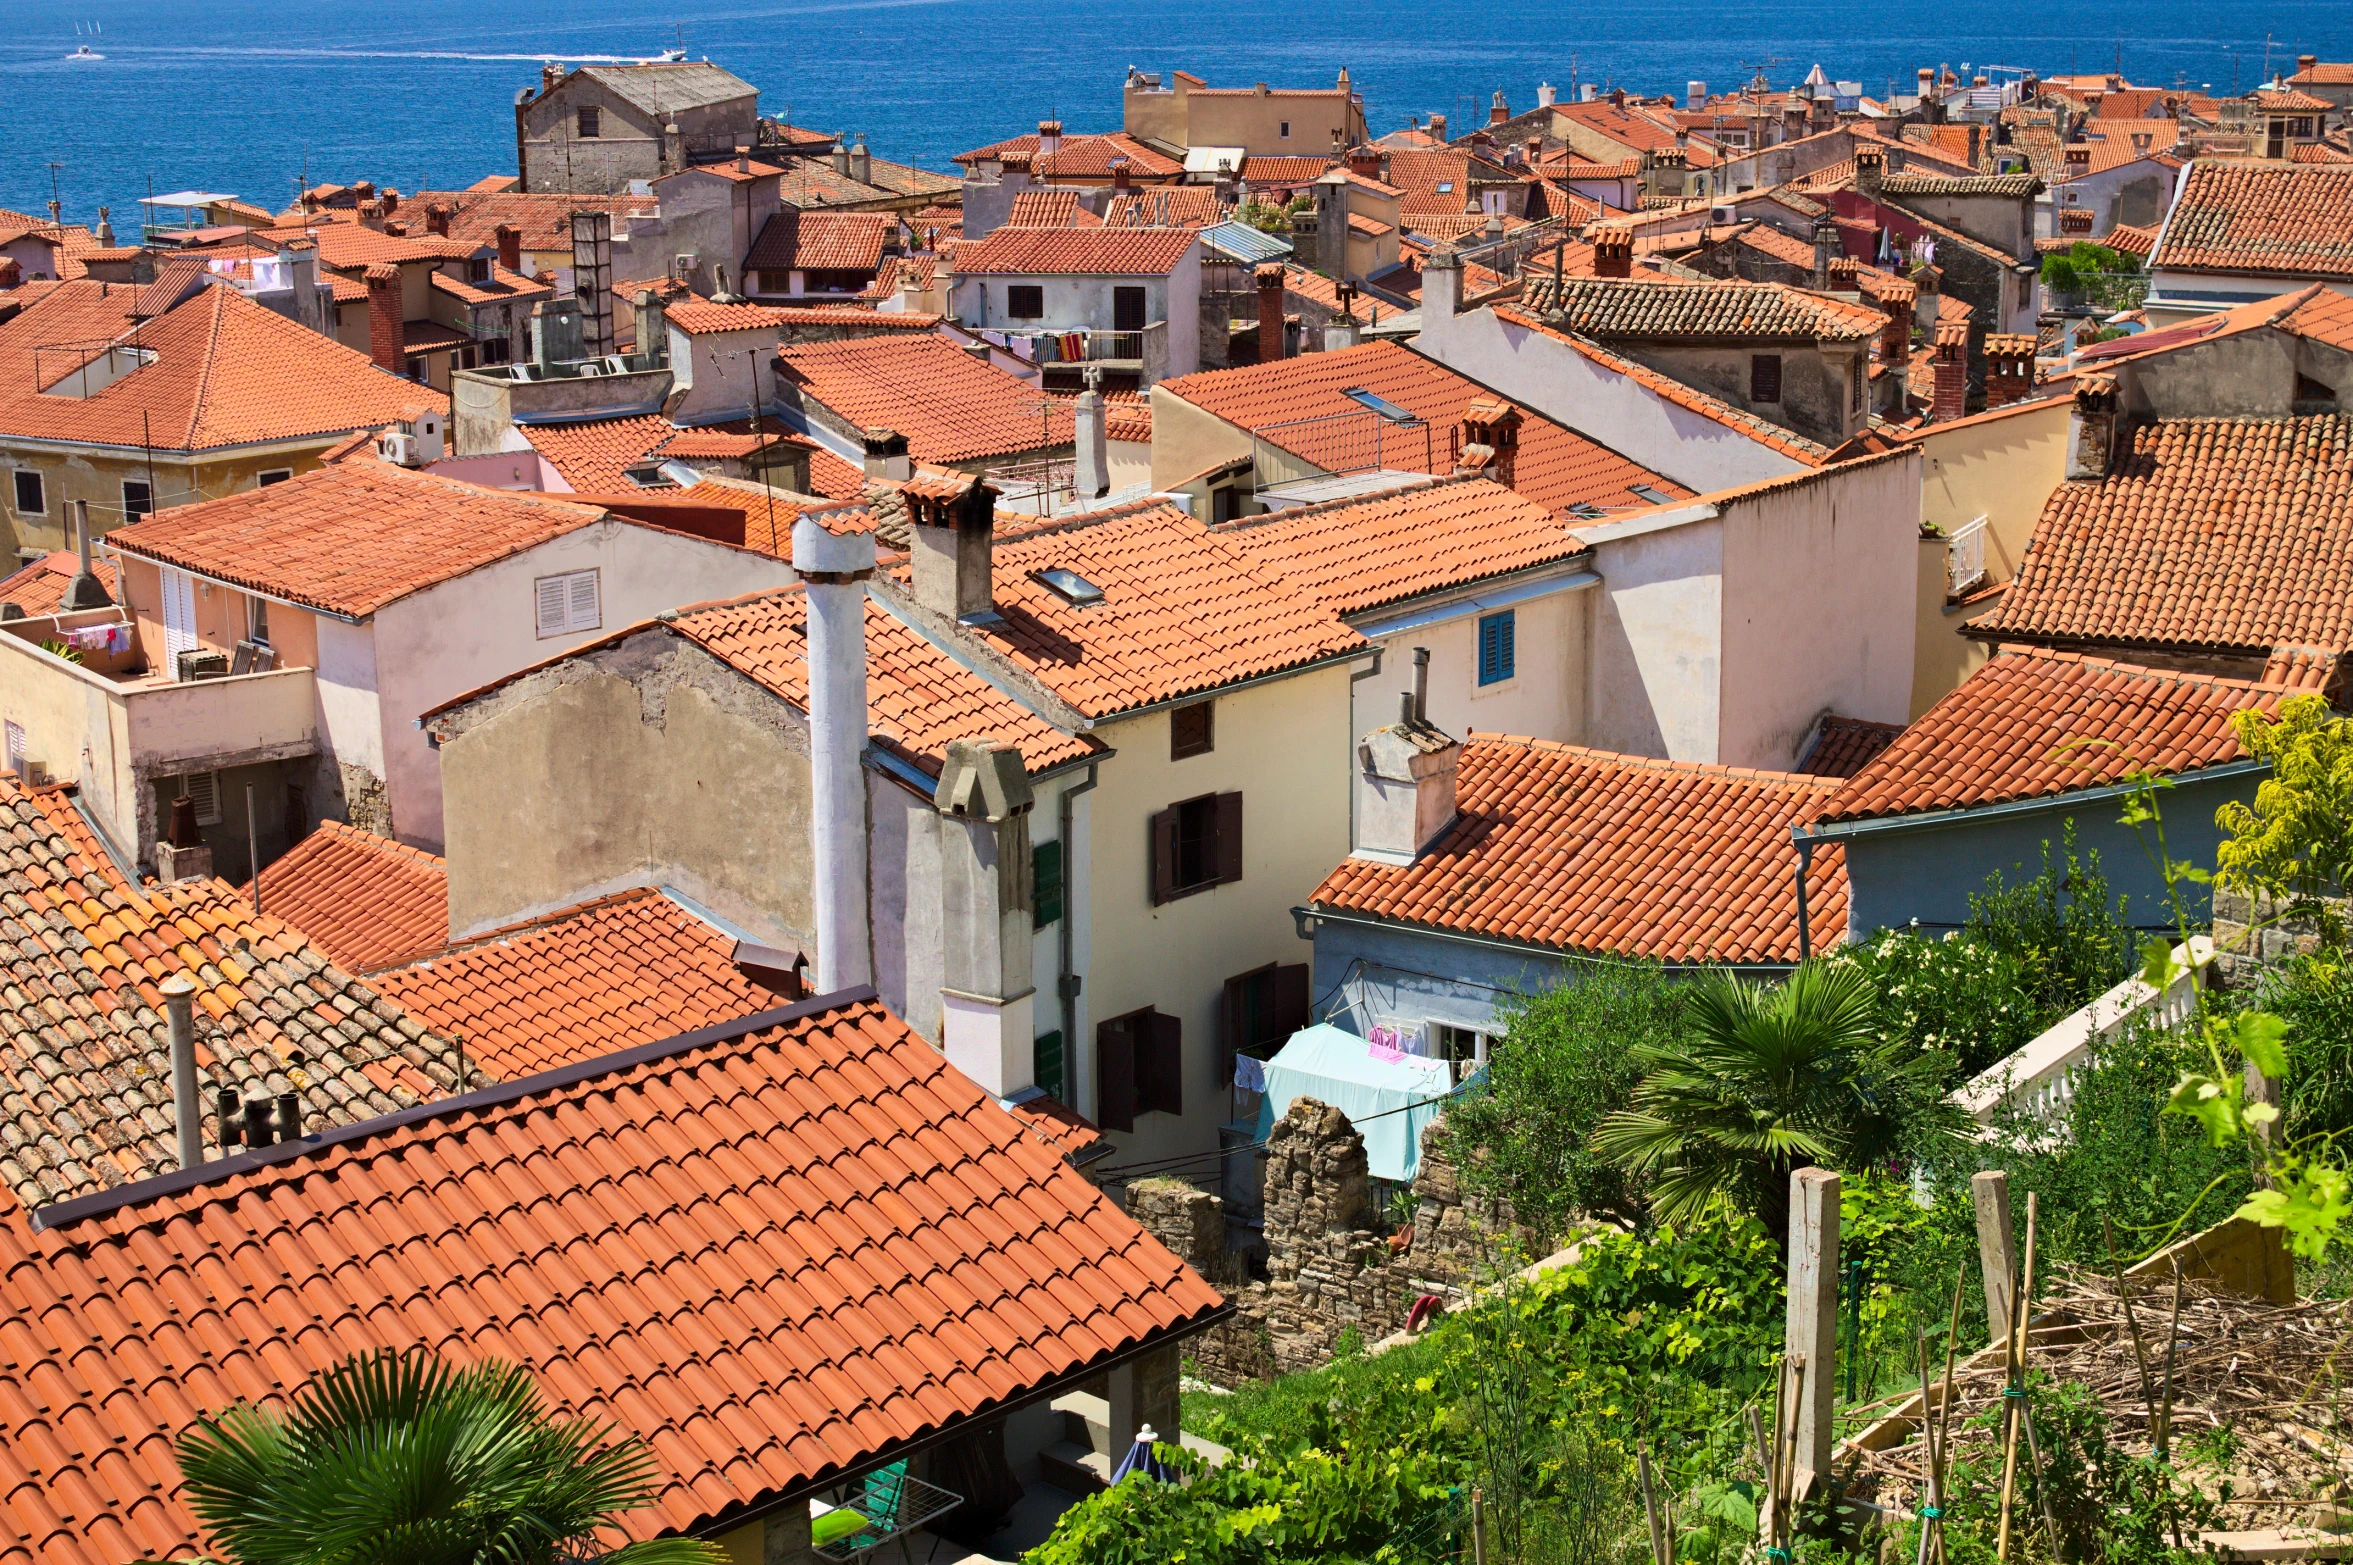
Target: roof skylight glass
1070 584
1381 405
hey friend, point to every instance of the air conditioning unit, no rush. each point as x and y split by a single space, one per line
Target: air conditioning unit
1724 214
204 664
682 266
398 448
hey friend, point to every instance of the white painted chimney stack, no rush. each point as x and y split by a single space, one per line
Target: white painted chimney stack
179 1010
987 917
833 569
1406 780
1091 475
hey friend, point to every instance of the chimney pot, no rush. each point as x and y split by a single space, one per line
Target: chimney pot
289 1116
179 1009
1421 685
886 455
510 248
226 1129
954 547
257 1122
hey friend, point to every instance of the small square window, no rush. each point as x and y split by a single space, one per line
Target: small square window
1285 130
1764 377
478 269
567 603
590 121
1192 730
1025 301
31 498
138 499
1497 652
275 475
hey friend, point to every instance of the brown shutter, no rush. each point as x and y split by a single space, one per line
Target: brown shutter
1115 1074
1229 837
1160 1063
1292 1000
1164 856
1232 1033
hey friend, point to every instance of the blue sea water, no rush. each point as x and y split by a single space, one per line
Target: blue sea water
247 96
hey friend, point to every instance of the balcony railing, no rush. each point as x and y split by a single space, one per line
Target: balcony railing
1076 345
1965 559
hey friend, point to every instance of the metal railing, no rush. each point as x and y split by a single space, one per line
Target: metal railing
1965 558
1334 443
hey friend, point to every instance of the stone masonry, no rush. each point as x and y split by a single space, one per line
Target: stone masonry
1331 1265
2251 936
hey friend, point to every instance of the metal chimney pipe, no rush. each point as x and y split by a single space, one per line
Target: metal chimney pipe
1421 685
179 1010
289 1116
225 1101
833 571
257 1122
1405 709
85 591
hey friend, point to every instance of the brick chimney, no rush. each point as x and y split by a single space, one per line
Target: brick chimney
2075 159
1365 162
1438 127
1121 183
1870 164
2009 368
2305 62
384 317
954 544
1826 245
437 220
1270 313
1049 137
1952 371
1613 252
2091 427
1535 150
1899 299
11 274
1844 271
1496 426
1498 112
510 248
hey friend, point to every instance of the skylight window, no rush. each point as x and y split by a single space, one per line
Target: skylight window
1070 585
1381 405
1654 496
1446 187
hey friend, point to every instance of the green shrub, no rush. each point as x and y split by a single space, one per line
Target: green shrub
2314 994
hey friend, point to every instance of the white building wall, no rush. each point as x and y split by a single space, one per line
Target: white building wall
349 717
1655 658
720 373
1546 695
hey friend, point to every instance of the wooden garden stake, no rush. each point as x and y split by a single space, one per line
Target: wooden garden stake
2161 1444
1478 1528
1931 1506
2014 1394
2140 1354
1660 1553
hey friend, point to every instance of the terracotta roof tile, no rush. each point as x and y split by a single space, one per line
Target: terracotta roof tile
1090 252
950 408
1556 467
822 241
698 316
1050 208
593 456
894 271
1844 745
1283 171
2325 73
2033 723
544 219
352 537
1960 184
2292 102
365 900
1164 206
1582 850
774 1256
39 588
504 287
1081 156
1604 308
2295 221
2207 533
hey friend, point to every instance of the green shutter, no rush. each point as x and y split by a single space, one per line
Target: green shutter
1047 1063
1046 873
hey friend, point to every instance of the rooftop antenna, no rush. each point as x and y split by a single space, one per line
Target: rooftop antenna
56 202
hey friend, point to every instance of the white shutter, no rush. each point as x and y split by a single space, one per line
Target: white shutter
550 593
204 790
179 618
584 615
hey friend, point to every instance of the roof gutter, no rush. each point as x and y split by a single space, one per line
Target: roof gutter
1538 581
1304 920
1190 696
234 586
1932 819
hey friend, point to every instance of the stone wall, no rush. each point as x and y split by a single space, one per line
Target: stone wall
2250 935
1333 1263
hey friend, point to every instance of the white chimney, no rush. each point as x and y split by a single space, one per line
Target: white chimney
987 914
1405 780
1695 93
179 1010
1546 95
1091 475
953 548
833 571
886 455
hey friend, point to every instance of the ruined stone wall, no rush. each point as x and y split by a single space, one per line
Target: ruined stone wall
2250 935
1333 1263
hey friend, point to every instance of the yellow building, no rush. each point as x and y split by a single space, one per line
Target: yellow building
1262 121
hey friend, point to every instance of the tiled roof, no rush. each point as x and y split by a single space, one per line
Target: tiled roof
1127 420
822 241
1049 208
1843 746
2325 73
774 1256
622 971
1556 467
1077 157
2321 152
2033 723
367 901
39 588
225 372
950 407
1583 850
1365 554
347 246
2295 221
662 87
1285 171
2130 240
1627 128
835 477
1960 184
1183 611
2130 103
85 1070
544 219
349 538
1164 206
2292 102
918 699
1605 307
697 317
592 456
2209 533
894 270
1093 252
504 287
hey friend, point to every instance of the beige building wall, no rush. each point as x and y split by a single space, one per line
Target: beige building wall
97 474
1185 116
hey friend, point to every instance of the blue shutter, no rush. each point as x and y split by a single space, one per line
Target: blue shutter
1495 647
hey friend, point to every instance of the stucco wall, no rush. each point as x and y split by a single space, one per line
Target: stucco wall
96 474
1817 386
1544 699
1386 975
1086 303
1656 661
75 726
2248 374
1186 440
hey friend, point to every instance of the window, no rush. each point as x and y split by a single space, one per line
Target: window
1025 301
1192 730
179 617
1497 633
257 620
1379 404
1139 1068
276 475
1069 585
478 269
1764 378
1259 1012
31 498
138 499
1046 1068
495 350
1283 129
16 747
204 788
1196 845
1128 308
567 603
1045 864
417 371
590 121
1461 1047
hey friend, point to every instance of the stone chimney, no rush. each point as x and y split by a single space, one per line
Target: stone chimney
510 248
2075 160
954 545
833 570
1049 137
1825 248
1091 468
653 327
1405 782
1613 252
1438 127
182 854
1270 313
861 162
1952 371
2091 427
1899 299
987 902
1870 165
2009 368
384 317
437 220
1498 111
841 158
104 232
1495 425
886 455
1364 162
85 591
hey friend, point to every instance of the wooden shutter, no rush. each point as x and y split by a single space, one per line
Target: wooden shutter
1293 1002
1046 876
179 617
1115 1074
1046 1067
585 612
1229 837
1164 856
1236 1025
1764 377
549 591
1160 1062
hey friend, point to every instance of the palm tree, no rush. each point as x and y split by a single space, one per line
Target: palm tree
1772 1079
399 1458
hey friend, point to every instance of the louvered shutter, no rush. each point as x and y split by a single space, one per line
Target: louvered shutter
1293 1001
586 613
1164 856
551 605
1115 1075
1160 1067
1229 837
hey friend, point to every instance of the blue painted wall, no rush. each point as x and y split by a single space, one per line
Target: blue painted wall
1363 976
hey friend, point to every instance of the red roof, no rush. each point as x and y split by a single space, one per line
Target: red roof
2033 723
1050 208
2295 221
2213 533
1078 157
1843 746
366 900
1556 467
594 456
950 407
1164 206
1583 850
778 1256
39 588
619 972
822 241
1091 252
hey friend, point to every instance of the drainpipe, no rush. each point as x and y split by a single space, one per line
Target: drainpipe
1066 980
1353 681
833 572
1805 924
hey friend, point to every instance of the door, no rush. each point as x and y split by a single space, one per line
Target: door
179 618
1127 309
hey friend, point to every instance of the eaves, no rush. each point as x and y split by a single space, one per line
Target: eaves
1970 815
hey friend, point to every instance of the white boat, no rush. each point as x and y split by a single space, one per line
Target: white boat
85 52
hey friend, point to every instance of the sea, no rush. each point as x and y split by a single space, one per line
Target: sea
255 97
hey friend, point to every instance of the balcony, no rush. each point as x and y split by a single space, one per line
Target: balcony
1128 360
1965 560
